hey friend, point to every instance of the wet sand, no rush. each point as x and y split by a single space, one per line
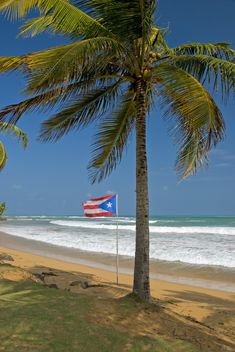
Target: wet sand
205 309
212 277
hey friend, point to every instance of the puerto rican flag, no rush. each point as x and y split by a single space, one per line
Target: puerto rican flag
104 206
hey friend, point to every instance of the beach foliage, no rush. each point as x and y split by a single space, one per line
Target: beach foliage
116 68
9 129
2 208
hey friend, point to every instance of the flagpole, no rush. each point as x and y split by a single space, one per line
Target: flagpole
117 255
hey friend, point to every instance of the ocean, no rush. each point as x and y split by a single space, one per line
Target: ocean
192 240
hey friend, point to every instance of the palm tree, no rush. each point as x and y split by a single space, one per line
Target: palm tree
2 208
21 136
117 65
17 133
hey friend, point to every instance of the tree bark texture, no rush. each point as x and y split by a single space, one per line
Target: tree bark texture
141 272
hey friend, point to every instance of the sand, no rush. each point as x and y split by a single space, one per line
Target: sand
203 305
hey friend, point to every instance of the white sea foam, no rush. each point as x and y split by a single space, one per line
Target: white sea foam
133 221
193 244
153 229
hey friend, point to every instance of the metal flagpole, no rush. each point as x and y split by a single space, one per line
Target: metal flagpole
117 257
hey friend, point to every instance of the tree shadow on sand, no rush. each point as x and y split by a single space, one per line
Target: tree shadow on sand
104 317
220 316
37 318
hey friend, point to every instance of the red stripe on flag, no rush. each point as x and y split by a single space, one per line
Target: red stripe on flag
90 206
96 215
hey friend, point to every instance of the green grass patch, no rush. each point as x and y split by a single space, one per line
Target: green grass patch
38 319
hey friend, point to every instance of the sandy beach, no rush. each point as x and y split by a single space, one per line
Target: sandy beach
207 314
210 277
195 291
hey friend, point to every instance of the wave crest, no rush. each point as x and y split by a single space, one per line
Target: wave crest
153 229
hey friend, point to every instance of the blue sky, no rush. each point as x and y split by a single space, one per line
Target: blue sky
52 178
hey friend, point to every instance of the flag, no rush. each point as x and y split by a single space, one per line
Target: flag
104 206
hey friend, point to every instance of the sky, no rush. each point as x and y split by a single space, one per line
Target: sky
52 178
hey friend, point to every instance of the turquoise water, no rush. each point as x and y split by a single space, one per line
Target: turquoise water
226 221
194 240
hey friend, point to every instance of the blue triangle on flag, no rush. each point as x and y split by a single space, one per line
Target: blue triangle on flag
110 205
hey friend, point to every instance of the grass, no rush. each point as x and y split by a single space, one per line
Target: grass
36 318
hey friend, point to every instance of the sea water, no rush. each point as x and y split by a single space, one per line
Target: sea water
194 240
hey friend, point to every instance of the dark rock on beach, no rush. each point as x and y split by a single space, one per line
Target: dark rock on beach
48 273
6 257
75 283
39 276
84 284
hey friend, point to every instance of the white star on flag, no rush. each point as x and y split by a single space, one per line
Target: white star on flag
103 206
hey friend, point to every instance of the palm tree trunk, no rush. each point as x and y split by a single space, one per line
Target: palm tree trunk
141 273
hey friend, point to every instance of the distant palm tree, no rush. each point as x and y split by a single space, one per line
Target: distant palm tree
14 131
2 208
116 67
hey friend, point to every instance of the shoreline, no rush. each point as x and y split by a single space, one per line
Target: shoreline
214 278
206 313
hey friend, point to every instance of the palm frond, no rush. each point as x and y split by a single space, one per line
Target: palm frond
47 100
15 9
123 18
197 123
68 63
147 8
65 17
36 26
77 51
12 113
219 50
118 43
11 63
193 153
2 208
3 156
15 132
218 72
111 138
57 96
80 113
157 40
